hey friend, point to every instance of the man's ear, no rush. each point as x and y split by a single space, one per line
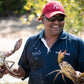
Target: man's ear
42 18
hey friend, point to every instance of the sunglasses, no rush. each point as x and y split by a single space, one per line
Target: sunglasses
54 18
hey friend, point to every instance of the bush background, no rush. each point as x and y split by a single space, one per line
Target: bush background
74 9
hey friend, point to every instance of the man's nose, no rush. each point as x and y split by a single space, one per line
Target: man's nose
56 21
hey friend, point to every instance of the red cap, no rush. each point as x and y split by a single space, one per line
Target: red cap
52 8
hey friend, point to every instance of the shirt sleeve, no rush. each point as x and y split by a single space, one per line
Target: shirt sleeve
23 62
81 56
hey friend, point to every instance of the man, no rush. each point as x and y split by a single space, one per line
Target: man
40 53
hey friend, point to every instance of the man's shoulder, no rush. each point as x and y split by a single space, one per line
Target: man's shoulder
37 36
74 38
33 38
69 36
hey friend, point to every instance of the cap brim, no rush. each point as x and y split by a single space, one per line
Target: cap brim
49 15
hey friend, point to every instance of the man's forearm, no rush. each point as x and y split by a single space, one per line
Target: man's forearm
18 72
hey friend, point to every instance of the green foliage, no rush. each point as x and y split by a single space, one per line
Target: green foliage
11 7
74 10
35 6
74 21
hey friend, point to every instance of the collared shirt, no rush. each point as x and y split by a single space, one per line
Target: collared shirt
45 43
37 63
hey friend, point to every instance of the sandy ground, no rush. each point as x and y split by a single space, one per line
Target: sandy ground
11 29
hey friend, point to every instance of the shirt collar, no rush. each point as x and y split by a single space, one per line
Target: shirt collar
41 34
63 35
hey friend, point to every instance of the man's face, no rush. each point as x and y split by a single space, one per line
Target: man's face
53 26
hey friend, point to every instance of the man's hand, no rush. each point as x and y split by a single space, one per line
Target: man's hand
3 71
81 79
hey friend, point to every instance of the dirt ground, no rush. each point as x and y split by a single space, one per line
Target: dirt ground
11 29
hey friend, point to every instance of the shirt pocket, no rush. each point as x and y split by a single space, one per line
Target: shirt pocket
35 62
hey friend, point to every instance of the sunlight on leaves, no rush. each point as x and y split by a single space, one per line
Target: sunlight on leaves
74 20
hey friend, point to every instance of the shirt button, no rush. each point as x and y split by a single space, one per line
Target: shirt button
49 50
36 58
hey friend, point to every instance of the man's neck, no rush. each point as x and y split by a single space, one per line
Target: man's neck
50 39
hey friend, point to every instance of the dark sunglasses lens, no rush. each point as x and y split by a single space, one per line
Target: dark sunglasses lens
59 18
